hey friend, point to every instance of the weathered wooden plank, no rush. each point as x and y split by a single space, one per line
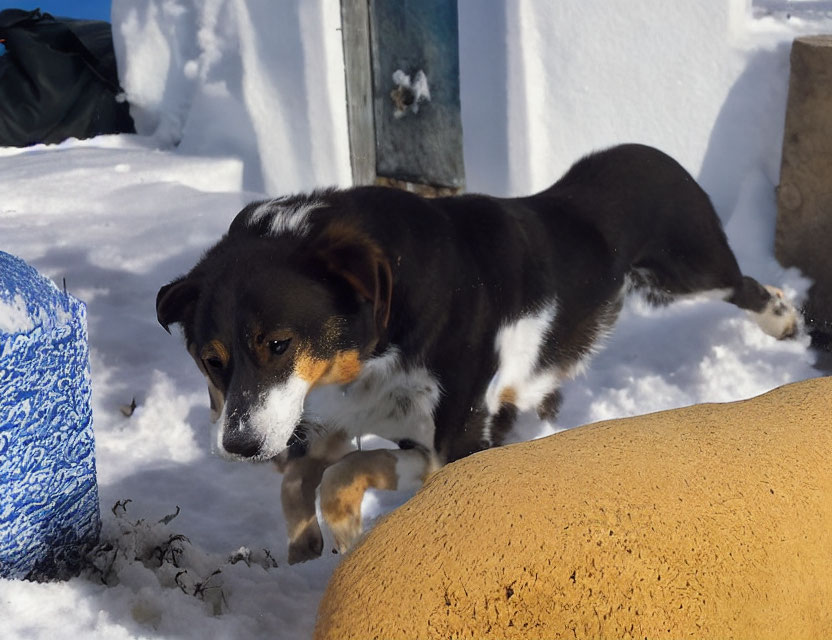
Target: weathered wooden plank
804 217
355 25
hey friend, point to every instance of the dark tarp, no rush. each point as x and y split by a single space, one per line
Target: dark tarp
58 79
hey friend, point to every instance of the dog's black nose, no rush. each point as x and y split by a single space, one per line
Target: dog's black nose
240 444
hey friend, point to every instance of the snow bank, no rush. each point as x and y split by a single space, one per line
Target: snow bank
543 83
233 82
256 79
148 580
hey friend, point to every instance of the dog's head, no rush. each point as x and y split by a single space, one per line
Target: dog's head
268 317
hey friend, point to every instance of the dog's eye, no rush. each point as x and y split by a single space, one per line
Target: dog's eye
278 347
213 362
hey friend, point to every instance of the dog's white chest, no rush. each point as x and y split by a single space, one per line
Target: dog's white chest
385 400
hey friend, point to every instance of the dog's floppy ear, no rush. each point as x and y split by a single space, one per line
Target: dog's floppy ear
175 302
353 256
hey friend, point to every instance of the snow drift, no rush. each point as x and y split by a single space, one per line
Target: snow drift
233 99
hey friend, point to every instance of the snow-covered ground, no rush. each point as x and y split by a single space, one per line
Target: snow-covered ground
119 216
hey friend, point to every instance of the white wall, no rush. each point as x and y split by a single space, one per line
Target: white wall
544 82
259 79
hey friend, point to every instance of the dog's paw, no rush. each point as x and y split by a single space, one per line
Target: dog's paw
307 545
341 507
779 318
345 532
343 517
343 485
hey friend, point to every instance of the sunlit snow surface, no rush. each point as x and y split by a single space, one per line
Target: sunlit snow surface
117 218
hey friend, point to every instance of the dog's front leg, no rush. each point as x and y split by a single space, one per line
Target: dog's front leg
344 483
301 477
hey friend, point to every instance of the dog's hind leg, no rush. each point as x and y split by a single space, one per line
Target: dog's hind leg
301 477
717 273
766 305
688 253
344 483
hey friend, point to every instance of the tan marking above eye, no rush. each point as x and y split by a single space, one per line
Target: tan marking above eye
342 368
215 349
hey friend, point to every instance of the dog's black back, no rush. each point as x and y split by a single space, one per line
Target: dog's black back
465 273
465 266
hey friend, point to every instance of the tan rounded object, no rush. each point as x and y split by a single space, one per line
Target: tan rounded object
713 521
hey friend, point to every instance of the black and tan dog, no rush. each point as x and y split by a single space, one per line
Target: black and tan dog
432 323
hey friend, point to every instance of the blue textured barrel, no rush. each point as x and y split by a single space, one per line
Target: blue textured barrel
49 514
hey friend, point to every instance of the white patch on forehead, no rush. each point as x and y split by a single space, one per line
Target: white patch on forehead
287 214
518 348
